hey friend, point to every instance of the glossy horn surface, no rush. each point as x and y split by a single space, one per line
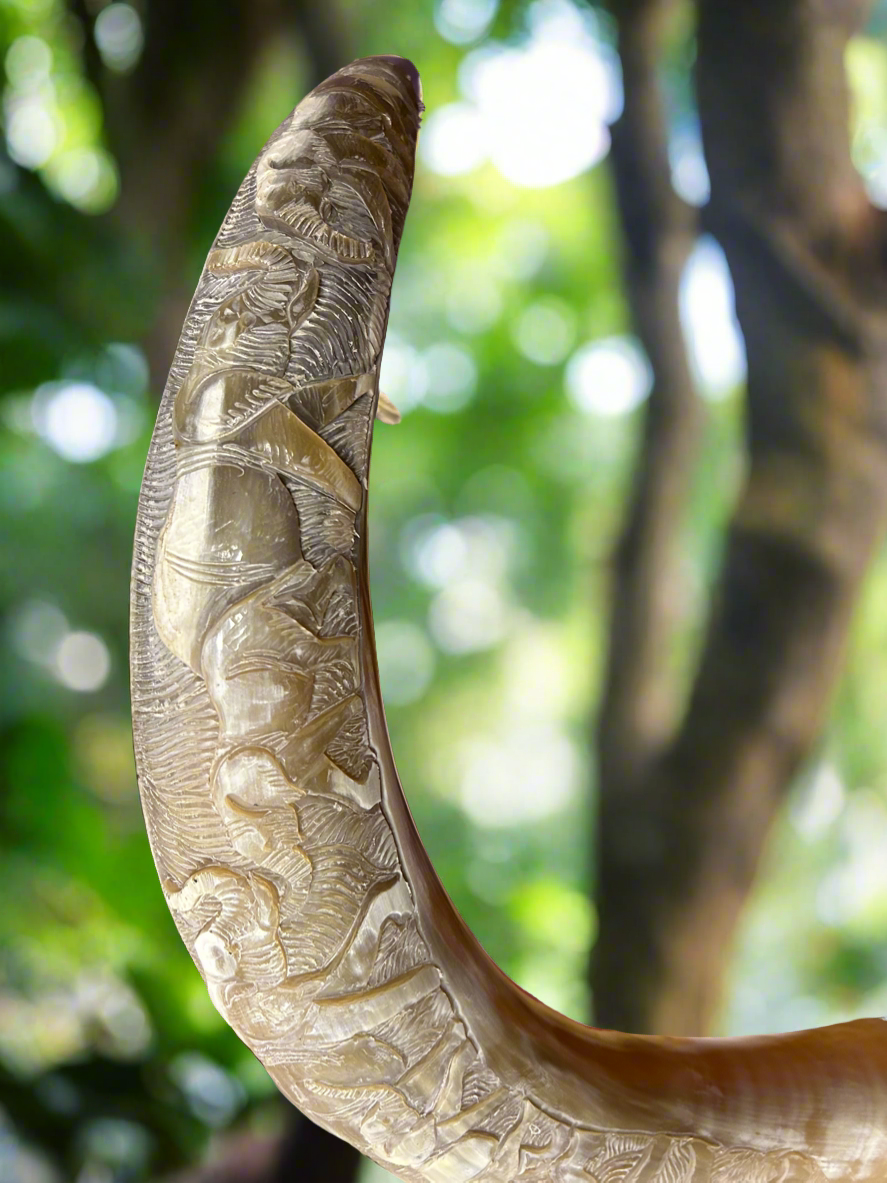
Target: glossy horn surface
281 834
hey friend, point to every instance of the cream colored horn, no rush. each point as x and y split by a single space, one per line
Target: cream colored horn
281 834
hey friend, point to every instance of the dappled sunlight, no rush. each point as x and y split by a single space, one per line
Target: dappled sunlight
439 552
454 139
529 767
51 119
466 563
854 894
538 111
63 1021
518 777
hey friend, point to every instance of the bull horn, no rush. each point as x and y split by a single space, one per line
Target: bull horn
343 964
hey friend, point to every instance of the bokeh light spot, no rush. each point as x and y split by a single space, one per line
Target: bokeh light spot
689 172
86 178
31 133
464 21
474 303
119 37
715 342
453 140
544 331
609 377
82 662
406 661
452 377
539 110
821 804
529 776
36 628
76 419
403 375
521 249
467 615
211 1093
28 62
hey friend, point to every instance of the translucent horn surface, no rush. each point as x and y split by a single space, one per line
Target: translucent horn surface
281 834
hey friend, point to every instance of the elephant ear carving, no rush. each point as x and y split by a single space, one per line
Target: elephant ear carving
280 830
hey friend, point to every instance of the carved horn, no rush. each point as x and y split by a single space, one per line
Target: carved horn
280 831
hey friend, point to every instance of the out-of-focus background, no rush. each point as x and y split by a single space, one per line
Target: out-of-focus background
546 534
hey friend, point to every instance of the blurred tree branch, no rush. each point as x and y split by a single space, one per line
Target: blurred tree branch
659 230
679 848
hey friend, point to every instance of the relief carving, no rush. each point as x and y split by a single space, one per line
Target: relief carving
270 801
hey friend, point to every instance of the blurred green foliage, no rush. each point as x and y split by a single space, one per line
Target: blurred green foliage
494 506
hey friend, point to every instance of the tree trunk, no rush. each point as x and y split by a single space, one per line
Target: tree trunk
658 233
678 848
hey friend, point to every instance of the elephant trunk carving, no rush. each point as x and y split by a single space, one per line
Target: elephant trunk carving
280 831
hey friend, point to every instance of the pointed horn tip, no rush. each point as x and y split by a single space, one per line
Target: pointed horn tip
406 72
